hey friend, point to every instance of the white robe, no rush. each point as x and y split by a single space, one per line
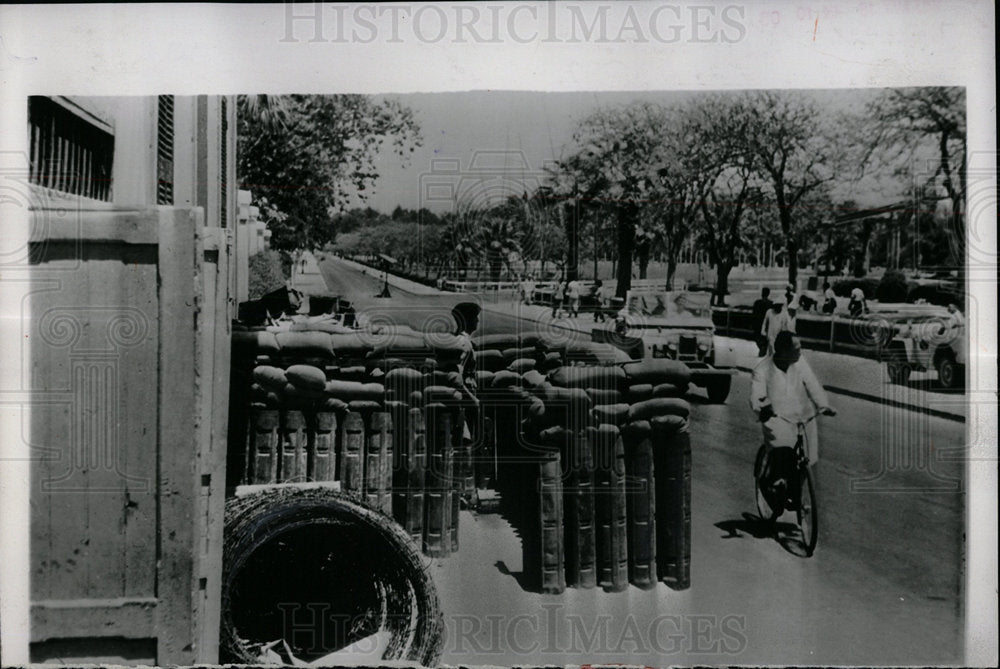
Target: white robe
796 395
775 323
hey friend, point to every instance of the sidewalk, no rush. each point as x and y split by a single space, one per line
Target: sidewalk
308 279
843 374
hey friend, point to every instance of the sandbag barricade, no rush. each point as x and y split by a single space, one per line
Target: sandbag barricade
603 451
377 413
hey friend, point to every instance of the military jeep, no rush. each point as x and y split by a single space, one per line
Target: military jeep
927 342
676 325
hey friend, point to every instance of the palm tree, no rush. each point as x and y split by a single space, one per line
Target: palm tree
270 110
496 240
459 246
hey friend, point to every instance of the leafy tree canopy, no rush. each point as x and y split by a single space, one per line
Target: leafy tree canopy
306 155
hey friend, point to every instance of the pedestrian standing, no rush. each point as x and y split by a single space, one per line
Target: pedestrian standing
760 309
791 297
573 295
557 299
527 288
829 299
792 310
776 320
597 295
857 305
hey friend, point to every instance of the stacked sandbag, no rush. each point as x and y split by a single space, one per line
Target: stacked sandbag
567 406
609 468
438 482
657 450
673 490
442 410
287 346
303 415
404 388
595 502
593 353
552 424
377 411
551 516
484 457
428 421
610 515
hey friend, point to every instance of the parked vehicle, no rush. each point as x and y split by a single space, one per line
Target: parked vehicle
676 325
927 343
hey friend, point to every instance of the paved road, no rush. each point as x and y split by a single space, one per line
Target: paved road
882 587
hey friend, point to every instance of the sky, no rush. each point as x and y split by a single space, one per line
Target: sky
509 136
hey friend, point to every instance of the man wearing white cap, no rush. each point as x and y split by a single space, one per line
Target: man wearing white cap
792 309
858 305
775 321
784 391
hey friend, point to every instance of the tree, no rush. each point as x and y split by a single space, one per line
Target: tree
541 235
269 111
459 246
598 246
615 164
308 154
564 195
925 128
721 169
672 216
644 239
722 208
794 151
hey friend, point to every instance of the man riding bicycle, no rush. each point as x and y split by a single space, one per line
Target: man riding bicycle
784 393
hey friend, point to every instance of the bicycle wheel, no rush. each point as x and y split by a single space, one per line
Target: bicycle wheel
764 509
806 512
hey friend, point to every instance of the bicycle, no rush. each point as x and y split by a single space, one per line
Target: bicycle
787 485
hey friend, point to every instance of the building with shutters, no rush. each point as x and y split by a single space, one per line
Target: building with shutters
126 331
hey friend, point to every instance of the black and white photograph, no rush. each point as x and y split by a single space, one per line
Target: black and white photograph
507 334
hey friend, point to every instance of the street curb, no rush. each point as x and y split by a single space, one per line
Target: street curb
937 413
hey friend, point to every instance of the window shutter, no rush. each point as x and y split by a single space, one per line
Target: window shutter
223 164
165 149
68 153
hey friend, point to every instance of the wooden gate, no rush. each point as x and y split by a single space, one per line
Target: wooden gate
129 335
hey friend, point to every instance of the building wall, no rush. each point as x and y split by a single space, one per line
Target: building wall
129 316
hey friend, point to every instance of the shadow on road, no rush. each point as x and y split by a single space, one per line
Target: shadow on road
523 524
523 578
749 524
787 535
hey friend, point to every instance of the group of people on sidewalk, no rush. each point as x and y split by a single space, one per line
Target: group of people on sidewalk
567 296
774 315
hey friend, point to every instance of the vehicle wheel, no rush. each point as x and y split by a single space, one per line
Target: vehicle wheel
345 573
764 509
718 389
949 372
899 372
807 513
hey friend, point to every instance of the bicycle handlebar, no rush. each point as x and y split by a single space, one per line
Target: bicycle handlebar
800 422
